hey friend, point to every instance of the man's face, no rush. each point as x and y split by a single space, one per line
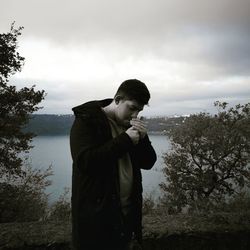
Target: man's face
126 110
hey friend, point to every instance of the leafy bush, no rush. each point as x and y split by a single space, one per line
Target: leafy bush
148 204
61 209
23 198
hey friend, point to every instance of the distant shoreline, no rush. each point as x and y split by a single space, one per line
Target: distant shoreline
67 134
55 125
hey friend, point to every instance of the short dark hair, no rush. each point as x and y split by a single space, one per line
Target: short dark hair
134 89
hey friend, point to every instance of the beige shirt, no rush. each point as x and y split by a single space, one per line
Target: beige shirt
125 171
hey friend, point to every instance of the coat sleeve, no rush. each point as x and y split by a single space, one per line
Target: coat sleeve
88 151
144 154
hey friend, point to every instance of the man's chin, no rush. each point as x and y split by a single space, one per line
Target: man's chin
126 123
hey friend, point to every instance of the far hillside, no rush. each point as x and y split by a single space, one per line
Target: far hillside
50 124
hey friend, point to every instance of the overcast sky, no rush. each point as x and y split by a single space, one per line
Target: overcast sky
190 53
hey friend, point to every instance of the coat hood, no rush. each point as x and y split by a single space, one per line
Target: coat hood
92 105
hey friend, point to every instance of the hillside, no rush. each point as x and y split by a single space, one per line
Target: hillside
60 124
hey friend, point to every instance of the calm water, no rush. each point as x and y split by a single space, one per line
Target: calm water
55 151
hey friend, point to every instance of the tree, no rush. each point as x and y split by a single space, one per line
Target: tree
15 107
209 160
22 196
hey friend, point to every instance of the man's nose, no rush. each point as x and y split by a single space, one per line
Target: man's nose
135 114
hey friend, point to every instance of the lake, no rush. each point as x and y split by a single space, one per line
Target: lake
55 151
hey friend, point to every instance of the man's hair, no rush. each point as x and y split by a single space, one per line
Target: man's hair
134 89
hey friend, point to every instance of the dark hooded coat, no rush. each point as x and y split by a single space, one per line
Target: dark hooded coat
96 210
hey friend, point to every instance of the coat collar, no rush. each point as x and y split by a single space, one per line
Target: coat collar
94 106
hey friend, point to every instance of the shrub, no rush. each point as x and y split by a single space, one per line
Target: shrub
61 209
23 198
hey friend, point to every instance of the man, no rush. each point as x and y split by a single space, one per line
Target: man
109 147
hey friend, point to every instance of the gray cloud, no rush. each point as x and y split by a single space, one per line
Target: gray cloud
138 17
211 38
60 99
216 31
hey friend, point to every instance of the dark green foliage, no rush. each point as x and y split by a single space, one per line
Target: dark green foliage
209 160
23 198
15 107
11 61
22 188
61 209
148 204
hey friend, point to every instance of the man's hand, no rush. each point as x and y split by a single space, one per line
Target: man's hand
133 134
140 126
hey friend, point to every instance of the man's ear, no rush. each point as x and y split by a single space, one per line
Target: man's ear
118 99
